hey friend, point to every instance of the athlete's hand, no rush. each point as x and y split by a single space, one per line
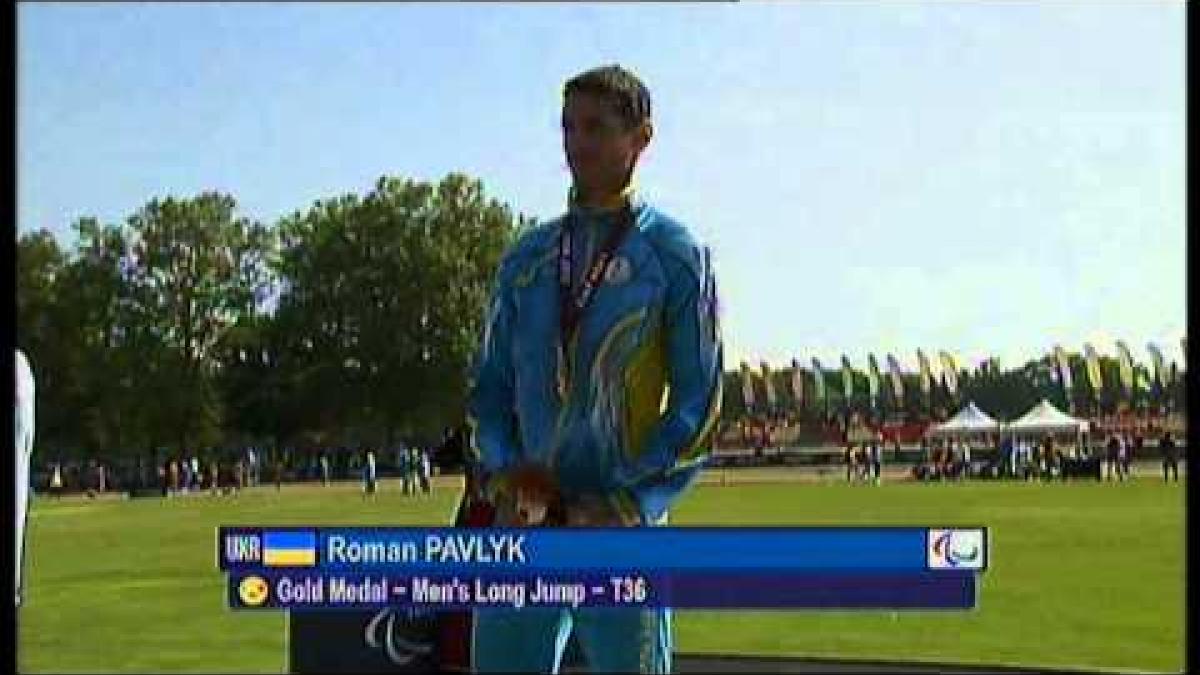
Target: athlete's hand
531 507
529 497
595 511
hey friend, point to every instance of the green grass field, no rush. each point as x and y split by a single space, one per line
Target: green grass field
1081 575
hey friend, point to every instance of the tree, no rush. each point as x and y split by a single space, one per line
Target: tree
101 349
195 270
40 265
382 302
247 381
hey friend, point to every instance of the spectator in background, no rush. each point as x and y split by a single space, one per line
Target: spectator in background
99 479
1133 444
164 479
418 453
877 459
1112 455
425 470
924 459
1006 458
57 479
414 467
1029 458
213 475
228 477
324 469
1170 456
239 475
406 475
849 462
89 480
759 435
1122 457
946 460
369 473
185 469
173 475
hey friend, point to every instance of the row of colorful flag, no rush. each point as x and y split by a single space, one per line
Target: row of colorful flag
1130 378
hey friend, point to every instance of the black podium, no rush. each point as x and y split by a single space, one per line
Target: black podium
393 640
351 641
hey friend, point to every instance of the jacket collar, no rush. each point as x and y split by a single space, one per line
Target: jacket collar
628 195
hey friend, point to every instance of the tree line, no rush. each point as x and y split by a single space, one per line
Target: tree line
353 322
189 326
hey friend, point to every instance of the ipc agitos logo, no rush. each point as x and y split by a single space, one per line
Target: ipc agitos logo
955 549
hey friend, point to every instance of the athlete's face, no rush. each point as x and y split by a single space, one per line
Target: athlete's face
600 148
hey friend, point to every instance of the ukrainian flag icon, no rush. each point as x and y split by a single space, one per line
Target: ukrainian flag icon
290 549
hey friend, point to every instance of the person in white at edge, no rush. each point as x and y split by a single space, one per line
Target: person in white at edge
24 428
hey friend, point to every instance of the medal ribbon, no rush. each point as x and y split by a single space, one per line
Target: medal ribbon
573 304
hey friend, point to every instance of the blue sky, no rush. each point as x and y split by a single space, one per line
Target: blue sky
873 177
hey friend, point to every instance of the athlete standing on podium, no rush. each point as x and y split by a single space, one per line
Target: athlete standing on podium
593 317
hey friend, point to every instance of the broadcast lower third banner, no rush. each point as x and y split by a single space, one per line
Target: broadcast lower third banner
456 568
329 590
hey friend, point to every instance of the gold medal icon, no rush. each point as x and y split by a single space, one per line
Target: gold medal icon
253 591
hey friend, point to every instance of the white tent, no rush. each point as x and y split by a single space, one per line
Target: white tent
1045 418
969 420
